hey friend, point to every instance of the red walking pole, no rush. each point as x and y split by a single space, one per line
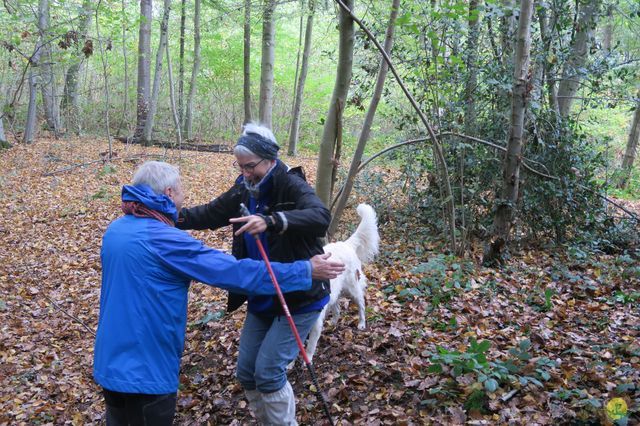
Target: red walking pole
294 329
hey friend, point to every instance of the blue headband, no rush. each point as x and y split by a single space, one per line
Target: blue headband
259 145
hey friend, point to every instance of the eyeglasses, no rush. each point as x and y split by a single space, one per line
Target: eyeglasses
247 167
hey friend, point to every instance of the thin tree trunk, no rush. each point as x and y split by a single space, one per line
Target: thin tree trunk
176 120
295 78
550 81
470 114
30 124
106 80
194 71
507 28
571 73
294 131
247 62
632 148
3 138
435 53
368 121
144 68
70 99
181 65
607 37
147 137
472 68
513 157
326 162
125 101
507 33
48 83
267 63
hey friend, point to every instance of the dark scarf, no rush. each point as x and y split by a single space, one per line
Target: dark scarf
140 210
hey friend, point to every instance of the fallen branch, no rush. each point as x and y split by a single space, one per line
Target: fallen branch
78 320
102 160
493 145
204 147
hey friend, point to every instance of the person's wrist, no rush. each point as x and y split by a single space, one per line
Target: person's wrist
268 220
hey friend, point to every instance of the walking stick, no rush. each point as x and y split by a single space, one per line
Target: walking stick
245 212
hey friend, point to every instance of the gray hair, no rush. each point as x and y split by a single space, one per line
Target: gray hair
158 175
258 129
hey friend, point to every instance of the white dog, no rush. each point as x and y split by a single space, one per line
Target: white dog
359 249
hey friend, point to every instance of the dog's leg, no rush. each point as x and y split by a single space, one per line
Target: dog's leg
314 334
359 296
335 312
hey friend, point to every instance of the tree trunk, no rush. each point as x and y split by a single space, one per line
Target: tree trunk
194 71
548 75
47 77
507 28
343 80
513 157
247 62
470 114
632 148
607 37
174 112
268 59
368 121
472 68
106 81
144 67
507 31
147 137
295 78
571 72
181 64
30 125
3 138
125 100
70 100
297 105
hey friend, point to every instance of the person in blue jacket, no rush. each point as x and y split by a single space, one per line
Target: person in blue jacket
147 266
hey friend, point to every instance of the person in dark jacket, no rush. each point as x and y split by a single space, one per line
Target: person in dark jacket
147 266
290 220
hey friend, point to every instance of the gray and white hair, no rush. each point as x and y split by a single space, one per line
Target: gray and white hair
258 129
158 175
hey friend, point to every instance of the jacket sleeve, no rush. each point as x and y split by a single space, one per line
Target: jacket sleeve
309 216
185 255
213 215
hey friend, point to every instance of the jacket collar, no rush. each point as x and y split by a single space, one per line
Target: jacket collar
144 194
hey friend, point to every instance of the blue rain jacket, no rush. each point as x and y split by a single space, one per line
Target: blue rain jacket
147 267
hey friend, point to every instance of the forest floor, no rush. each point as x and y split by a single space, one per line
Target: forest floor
553 337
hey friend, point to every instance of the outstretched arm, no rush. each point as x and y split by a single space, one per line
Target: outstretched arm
212 215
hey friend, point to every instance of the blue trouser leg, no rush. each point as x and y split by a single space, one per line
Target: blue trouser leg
267 346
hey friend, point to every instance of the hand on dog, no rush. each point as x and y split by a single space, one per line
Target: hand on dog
324 269
254 224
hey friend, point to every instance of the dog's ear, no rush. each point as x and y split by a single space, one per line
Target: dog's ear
299 171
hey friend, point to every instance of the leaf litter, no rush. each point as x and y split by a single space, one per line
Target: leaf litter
562 332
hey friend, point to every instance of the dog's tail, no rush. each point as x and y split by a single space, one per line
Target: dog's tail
365 240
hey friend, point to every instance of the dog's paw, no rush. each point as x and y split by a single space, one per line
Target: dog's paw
362 326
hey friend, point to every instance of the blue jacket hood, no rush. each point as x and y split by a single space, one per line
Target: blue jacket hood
145 195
